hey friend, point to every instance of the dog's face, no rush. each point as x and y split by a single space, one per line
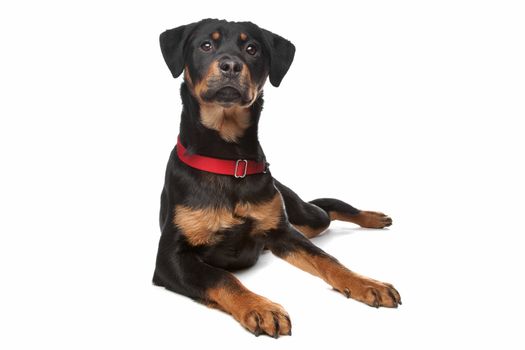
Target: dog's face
226 63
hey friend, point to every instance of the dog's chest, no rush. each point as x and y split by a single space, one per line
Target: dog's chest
201 226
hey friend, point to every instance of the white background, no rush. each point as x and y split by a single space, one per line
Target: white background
414 108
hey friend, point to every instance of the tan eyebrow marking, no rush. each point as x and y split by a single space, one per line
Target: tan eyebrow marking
215 35
243 36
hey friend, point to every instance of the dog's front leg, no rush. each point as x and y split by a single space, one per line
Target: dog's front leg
290 245
187 274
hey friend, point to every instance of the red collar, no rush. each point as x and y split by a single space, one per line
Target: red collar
238 168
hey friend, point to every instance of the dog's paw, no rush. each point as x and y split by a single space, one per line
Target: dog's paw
373 219
370 292
261 316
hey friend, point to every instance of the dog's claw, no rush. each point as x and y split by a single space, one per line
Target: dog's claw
377 298
289 323
276 325
270 319
393 297
258 331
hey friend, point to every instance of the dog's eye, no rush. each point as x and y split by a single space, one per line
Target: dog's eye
206 46
251 49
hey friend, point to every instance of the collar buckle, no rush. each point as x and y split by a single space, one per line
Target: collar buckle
237 167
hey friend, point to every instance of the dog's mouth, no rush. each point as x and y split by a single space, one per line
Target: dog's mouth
228 94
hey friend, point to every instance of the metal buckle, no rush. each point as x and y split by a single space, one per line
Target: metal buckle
237 166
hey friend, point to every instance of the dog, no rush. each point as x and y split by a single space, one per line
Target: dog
220 205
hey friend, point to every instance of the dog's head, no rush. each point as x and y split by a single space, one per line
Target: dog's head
226 63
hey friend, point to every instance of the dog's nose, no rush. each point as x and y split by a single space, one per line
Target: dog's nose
230 66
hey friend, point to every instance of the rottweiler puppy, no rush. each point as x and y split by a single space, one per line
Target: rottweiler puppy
220 205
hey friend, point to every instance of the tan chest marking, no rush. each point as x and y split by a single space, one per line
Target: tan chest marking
200 226
266 215
230 123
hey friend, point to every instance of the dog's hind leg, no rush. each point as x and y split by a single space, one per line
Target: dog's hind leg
339 210
307 218
312 218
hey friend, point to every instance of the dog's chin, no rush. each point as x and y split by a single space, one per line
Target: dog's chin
227 97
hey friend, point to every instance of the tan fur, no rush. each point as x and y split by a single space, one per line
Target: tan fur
215 35
345 281
199 88
187 77
368 219
266 215
323 267
230 123
309 231
200 225
246 79
243 36
254 312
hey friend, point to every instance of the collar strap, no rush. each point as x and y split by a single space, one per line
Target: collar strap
237 168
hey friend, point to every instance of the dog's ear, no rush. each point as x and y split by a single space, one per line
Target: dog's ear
172 44
281 56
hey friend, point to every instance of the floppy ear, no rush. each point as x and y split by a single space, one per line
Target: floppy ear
281 56
172 43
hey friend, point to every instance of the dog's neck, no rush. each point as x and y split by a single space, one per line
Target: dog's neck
213 131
